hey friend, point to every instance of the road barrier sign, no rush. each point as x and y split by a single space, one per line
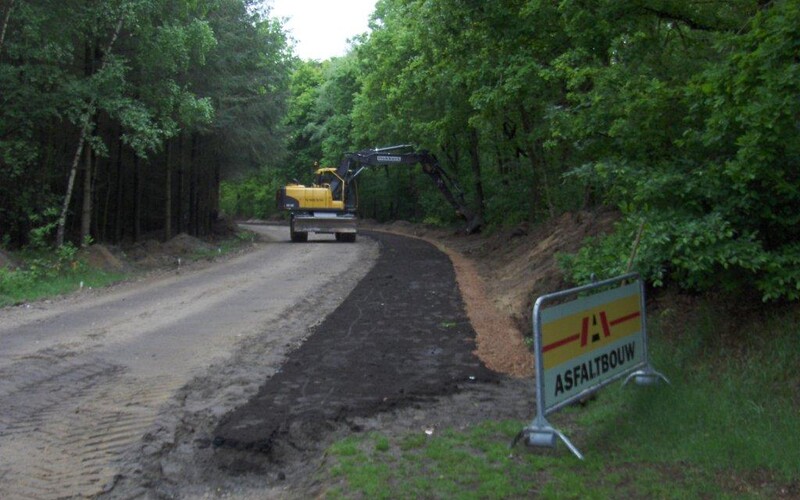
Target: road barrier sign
585 344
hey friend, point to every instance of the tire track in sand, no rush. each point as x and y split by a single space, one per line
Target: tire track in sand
85 388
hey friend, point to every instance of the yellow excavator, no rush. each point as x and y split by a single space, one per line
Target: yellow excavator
329 205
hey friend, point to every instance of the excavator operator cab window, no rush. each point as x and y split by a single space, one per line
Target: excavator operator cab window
323 179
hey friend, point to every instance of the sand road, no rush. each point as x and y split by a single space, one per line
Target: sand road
88 381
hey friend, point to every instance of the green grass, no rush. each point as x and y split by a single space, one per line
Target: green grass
725 428
46 273
225 246
25 285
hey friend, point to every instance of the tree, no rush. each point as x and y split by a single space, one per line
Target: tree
83 81
703 154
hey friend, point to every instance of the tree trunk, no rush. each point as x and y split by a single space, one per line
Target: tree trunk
475 163
534 160
119 210
193 187
215 191
137 200
62 220
102 229
181 215
5 24
86 211
168 196
85 130
548 194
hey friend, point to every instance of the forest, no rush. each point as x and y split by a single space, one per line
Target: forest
131 119
120 117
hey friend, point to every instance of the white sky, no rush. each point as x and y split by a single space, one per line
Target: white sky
321 27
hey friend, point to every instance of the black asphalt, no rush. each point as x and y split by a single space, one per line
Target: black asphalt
402 336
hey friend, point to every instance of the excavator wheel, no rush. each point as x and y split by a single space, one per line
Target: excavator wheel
346 237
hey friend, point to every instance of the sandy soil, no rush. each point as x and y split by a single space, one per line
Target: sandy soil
91 384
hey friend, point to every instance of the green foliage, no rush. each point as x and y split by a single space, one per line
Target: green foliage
46 273
683 114
718 189
246 78
135 77
252 196
695 252
304 145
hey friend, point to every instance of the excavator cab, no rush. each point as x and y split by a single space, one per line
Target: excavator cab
324 176
329 179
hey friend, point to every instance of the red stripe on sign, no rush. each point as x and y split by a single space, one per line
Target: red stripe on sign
559 343
604 322
625 318
584 331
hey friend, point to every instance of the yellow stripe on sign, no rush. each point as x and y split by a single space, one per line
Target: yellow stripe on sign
582 332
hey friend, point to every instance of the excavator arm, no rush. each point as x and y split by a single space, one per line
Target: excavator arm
354 163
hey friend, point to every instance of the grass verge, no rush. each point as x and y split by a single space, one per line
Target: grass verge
19 286
725 428
43 273
224 246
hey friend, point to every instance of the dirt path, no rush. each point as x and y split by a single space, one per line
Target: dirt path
91 384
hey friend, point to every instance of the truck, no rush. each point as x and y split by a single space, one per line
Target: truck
330 204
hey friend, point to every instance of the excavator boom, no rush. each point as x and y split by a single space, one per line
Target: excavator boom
399 155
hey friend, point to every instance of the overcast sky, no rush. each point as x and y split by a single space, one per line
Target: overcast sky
321 27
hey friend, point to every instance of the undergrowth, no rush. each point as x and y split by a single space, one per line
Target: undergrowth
50 273
44 272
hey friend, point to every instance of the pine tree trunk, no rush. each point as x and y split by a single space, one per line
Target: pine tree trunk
120 200
193 219
168 196
102 223
181 215
86 211
137 199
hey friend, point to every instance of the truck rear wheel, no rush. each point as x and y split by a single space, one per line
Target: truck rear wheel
346 237
297 236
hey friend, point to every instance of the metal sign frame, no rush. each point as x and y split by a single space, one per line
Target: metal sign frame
539 432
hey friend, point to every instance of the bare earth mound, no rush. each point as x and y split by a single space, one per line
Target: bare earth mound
99 256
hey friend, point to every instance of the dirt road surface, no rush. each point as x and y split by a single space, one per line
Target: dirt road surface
397 357
88 383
